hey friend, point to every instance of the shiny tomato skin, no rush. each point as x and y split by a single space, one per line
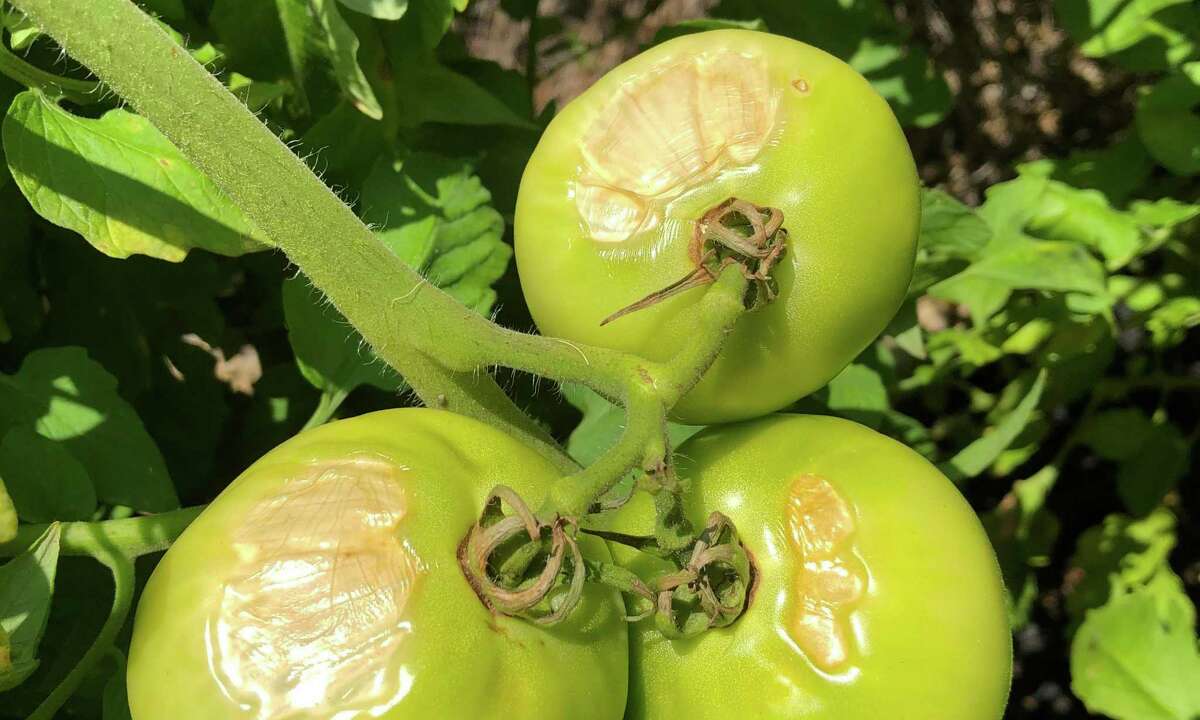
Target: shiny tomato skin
929 637
451 658
835 162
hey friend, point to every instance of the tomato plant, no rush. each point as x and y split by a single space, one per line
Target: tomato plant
241 235
325 580
613 196
875 585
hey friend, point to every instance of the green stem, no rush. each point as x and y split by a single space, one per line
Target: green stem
327 405
649 395
131 537
123 586
80 92
407 321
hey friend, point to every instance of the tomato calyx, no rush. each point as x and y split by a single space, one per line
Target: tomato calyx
734 232
518 564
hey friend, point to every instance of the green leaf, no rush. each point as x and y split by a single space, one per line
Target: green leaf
381 9
251 36
342 45
67 397
434 213
1023 531
602 424
8 515
1170 322
1116 434
1154 469
1085 217
1117 556
343 145
858 393
22 31
433 93
331 354
118 182
949 228
44 480
1167 120
697 25
1022 264
1136 658
904 76
26 589
1117 170
1139 34
976 457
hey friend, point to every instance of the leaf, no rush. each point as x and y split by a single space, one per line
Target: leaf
1116 434
342 45
1117 170
1154 469
904 76
8 515
602 424
1142 34
1023 531
858 393
1117 556
343 145
252 36
434 213
44 480
331 354
1170 322
381 9
433 93
1022 264
1085 217
1135 658
26 589
1167 121
118 182
67 397
949 228
976 457
697 25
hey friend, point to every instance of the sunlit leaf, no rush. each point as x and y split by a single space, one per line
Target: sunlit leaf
118 182
26 589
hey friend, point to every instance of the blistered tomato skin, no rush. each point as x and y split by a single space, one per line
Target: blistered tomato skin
323 583
877 593
607 206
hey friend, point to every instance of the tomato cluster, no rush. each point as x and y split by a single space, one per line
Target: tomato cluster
325 582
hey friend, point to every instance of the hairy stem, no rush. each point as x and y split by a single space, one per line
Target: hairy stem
131 537
651 393
407 321
80 92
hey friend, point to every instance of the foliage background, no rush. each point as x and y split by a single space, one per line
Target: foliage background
1047 358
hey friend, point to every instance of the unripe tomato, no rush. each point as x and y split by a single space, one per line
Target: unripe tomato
324 583
876 592
610 199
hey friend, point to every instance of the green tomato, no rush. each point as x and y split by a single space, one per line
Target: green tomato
610 199
876 593
324 583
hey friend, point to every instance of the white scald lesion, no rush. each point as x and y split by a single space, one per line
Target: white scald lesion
667 131
830 579
310 622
